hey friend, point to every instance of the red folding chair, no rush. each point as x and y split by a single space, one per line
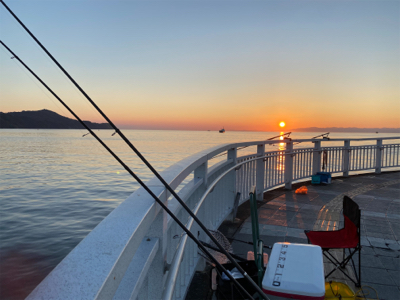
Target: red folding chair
346 238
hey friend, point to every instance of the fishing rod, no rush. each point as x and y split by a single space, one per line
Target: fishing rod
274 137
144 160
216 249
233 255
132 174
285 135
249 243
324 136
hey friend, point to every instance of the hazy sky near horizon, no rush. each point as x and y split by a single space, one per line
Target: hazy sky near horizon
244 65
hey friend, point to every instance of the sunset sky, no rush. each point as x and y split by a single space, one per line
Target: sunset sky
204 65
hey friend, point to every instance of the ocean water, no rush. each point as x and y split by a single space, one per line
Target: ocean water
56 186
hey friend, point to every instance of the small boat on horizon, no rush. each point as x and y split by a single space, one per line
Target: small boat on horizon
222 130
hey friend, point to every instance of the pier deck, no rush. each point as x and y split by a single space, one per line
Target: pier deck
284 215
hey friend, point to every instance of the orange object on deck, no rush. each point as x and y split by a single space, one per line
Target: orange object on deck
302 190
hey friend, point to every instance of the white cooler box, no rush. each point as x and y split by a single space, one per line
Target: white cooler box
295 271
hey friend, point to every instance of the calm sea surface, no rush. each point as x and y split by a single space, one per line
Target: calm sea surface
56 186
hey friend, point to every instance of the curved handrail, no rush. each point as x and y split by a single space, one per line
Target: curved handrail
110 254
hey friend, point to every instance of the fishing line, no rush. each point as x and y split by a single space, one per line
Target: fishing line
60 108
195 218
200 245
23 70
51 65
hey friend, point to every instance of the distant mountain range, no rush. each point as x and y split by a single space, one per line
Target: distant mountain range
347 129
44 119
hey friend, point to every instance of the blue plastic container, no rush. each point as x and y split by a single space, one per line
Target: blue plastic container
326 177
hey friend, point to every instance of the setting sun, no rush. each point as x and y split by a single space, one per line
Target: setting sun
282 124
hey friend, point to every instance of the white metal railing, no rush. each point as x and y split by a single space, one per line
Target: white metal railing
391 155
138 252
302 163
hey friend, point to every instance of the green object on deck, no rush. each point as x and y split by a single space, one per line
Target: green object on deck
315 179
257 243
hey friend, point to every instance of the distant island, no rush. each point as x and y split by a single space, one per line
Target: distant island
47 119
348 129
43 119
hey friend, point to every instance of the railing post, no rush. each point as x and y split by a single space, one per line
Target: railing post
289 165
378 157
317 157
158 229
260 171
201 173
232 154
346 158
